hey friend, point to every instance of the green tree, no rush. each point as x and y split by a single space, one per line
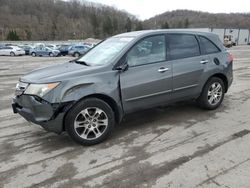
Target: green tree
95 24
186 23
28 34
139 26
128 25
165 25
115 25
107 26
12 36
179 24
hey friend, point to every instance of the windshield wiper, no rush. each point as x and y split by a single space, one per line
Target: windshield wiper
79 62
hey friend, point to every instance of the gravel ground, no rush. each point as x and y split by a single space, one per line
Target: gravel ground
175 146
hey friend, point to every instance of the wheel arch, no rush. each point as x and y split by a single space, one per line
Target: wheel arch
222 77
118 112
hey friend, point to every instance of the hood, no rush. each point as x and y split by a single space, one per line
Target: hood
57 73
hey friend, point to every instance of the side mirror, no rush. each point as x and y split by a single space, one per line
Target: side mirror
123 67
122 64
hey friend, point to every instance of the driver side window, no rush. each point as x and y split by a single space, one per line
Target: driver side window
149 50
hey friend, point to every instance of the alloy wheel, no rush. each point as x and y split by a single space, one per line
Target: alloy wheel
214 93
91 123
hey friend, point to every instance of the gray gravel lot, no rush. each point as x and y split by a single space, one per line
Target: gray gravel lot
175 146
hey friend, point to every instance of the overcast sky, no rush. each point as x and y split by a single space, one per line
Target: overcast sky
144 9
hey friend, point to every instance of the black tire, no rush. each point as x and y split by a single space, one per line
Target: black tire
33 54
12 54
203 100
74 113
76 54
51 55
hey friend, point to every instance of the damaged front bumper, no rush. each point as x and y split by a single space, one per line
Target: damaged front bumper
36 110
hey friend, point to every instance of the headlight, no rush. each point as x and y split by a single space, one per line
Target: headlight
40 89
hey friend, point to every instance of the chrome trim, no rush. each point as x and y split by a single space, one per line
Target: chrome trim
186 87
20 88
204 61
162 69
150 95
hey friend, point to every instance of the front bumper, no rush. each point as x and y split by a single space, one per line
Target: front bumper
20 52
38 111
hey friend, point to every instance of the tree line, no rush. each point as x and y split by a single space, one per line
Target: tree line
197 19
61 20
80 19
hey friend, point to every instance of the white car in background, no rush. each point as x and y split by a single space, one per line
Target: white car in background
11 50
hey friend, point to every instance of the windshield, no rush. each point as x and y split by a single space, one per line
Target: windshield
106 51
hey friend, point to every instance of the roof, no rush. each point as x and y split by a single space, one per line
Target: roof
159 31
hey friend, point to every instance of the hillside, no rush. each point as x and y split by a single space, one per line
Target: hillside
79 19
196 19
61 20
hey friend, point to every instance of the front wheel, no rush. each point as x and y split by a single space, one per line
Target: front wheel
76 54
51 54
212 94
33 54
90 122
12 54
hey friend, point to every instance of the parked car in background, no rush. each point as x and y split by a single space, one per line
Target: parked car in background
44 51
39 45
90 45
123 74
52 46
64 49
11 50
78 50
26 48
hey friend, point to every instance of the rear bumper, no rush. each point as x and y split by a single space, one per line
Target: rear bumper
36 110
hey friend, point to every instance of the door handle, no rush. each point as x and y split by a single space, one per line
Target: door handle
163 69
204 61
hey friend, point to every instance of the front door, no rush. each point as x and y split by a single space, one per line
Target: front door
148 80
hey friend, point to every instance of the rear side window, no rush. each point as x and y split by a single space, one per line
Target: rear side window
207 47
182 46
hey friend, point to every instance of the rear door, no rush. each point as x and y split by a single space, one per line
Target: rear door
148 80
188 64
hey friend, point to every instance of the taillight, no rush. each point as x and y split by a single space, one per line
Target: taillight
230 58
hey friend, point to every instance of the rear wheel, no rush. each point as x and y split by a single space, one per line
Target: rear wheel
212 94
51 55
90 122
12 54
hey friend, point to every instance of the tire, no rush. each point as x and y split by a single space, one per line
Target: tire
212 94
33 54
76 54
51 55
12 54
81 122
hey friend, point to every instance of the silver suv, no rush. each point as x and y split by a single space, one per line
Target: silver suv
123 74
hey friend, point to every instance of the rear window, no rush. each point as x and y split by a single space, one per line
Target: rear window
207 47
182 46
